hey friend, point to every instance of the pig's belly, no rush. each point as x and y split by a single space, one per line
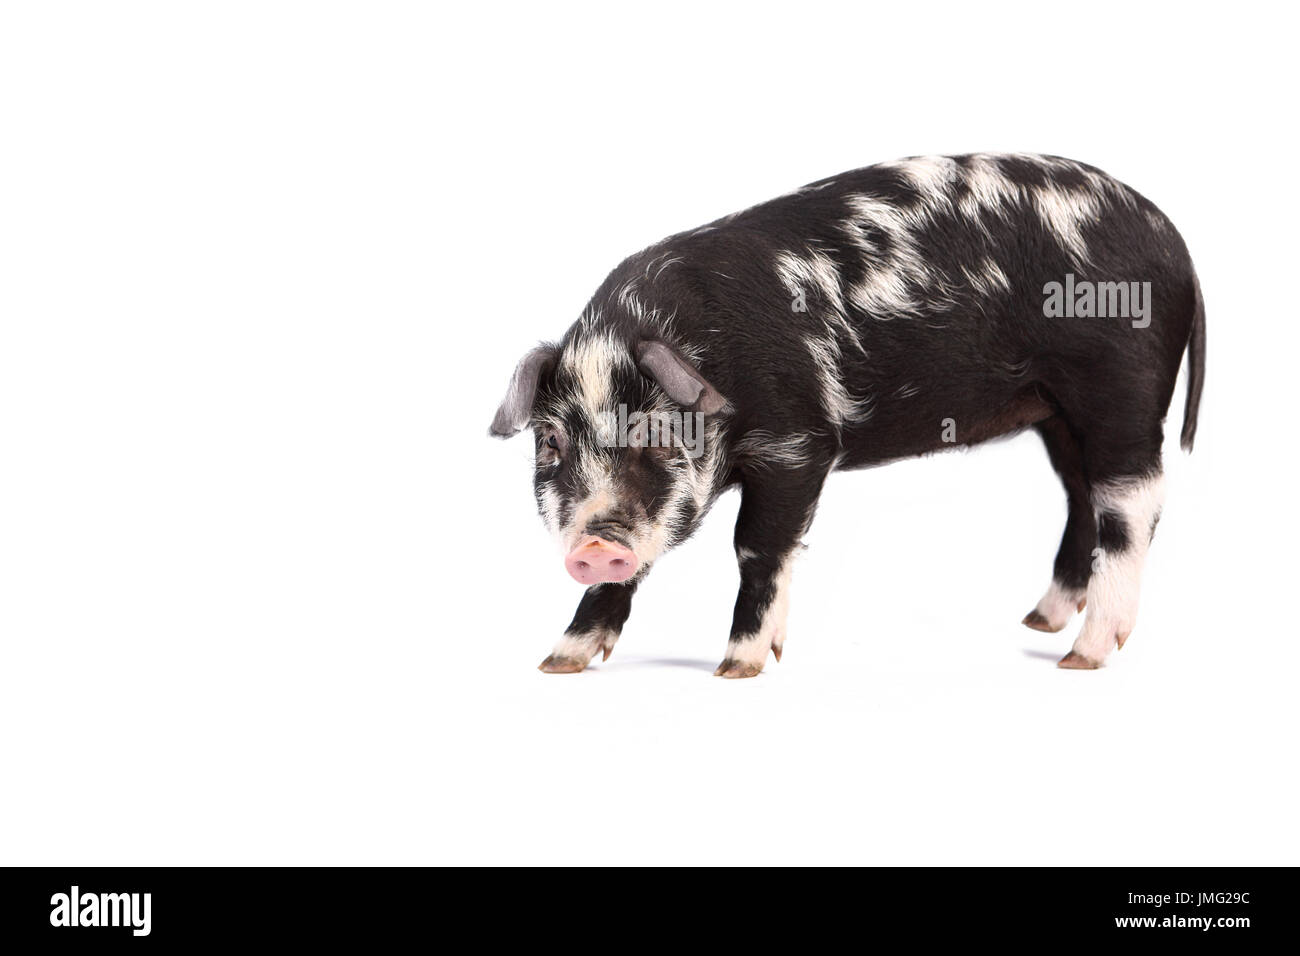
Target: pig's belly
902 430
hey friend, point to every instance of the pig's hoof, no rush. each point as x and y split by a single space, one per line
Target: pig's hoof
1038 622
1075 661
561 665
735 669
1119 640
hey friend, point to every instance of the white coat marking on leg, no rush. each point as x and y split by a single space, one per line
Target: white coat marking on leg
771 630
1060 604
1114 588
584 645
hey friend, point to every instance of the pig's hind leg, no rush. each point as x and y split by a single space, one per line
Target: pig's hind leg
776 509
1126 487
1073 566
596 626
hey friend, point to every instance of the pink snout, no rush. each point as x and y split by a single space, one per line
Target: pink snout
595 561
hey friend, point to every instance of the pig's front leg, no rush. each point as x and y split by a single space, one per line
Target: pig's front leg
596 626
775 512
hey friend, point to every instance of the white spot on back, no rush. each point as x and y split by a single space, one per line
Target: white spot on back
813 271
989 279
1065 212
817 271
989 190
892 274
933 176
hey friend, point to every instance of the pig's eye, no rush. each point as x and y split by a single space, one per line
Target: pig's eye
550 451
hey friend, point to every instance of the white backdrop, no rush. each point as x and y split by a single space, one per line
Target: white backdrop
268 593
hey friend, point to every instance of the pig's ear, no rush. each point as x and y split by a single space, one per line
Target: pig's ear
679 378
517 407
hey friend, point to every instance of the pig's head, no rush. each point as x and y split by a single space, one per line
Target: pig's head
626 437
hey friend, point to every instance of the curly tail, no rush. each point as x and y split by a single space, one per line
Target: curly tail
1195 369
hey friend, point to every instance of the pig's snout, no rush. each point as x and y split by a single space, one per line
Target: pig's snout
596 561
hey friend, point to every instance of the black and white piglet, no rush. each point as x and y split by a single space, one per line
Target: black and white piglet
888 312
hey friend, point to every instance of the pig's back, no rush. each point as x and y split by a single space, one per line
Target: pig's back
900 290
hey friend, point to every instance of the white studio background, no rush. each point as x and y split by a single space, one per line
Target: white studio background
268 593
